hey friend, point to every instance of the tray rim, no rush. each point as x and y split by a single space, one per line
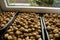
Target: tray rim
13 19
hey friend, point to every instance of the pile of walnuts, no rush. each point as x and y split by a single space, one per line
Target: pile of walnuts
5 17
53 25
25 27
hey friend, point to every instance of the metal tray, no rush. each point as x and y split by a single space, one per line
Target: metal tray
2 31
8 22
42 34
46 31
